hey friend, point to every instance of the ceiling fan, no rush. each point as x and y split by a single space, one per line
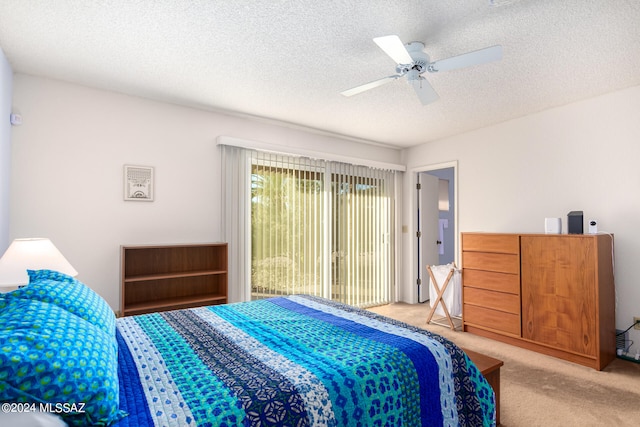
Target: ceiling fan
412 62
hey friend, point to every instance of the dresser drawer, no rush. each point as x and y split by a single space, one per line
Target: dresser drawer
501 263
491 319
502 282
498 243
501 301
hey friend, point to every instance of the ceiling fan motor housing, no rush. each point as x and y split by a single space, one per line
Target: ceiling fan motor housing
420 59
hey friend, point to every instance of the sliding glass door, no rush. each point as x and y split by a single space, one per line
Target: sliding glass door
287 245
321 228
361 230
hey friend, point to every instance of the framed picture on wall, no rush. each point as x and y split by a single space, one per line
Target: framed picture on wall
138 183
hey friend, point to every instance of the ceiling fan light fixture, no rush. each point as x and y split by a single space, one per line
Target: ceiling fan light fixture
414 74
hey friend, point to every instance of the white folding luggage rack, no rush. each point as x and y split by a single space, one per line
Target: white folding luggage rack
452 321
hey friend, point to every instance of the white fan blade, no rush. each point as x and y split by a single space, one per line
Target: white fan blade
393 46
482 56
424 90
359 89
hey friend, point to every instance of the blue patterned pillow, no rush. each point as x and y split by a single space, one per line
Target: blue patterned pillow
48 355
70 294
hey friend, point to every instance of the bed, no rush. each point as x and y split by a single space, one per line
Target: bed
287 361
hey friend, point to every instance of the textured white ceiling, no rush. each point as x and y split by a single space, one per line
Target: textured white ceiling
289 60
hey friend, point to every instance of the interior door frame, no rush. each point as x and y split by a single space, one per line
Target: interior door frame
413 203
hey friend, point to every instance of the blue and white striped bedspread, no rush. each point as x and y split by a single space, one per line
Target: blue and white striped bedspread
293 361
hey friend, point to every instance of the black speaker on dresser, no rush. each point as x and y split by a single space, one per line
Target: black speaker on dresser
575 222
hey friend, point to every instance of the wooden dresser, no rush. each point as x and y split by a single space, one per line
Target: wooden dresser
549 293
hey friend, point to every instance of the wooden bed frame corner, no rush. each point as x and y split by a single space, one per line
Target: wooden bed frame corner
490 369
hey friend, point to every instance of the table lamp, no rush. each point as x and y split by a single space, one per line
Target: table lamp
31 254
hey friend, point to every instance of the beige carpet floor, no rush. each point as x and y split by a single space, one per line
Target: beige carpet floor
539 390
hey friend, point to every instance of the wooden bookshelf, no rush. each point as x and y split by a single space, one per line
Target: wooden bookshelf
170 277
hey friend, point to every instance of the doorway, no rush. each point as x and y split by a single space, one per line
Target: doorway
436 220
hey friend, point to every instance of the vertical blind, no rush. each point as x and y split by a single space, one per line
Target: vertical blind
287 205
316 227
361 234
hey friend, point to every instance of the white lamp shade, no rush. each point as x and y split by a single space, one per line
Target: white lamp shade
31 254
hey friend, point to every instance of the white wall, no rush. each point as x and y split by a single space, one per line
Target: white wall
68 159
6 89
582 156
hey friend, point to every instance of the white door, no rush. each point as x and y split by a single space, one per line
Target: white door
428 229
